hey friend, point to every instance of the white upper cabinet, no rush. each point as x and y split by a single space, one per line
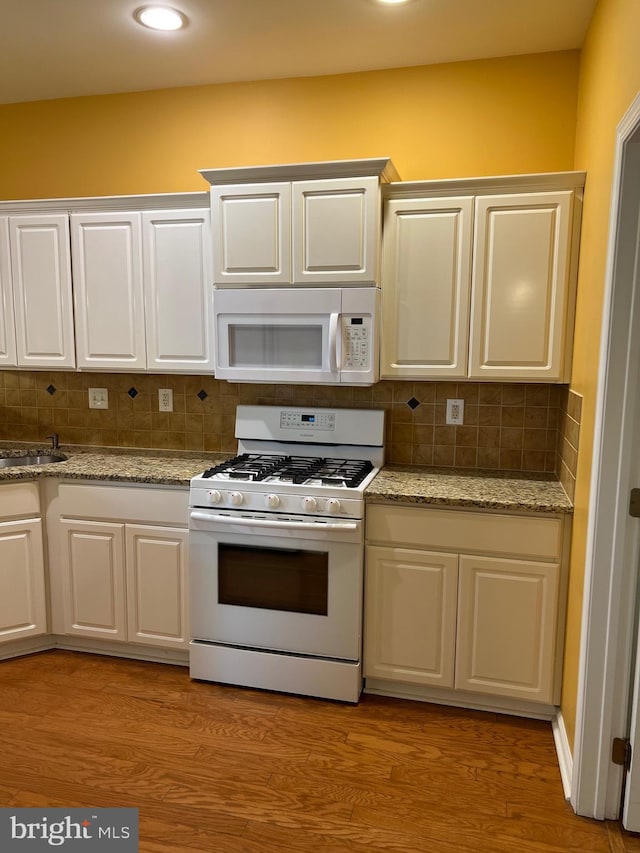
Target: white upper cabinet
521 286
41 276
108 290
336 231
143 290
480 285
425 310
308 224
8 354
251 224
178 290
306 232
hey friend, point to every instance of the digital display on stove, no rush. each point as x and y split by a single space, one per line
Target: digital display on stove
308 420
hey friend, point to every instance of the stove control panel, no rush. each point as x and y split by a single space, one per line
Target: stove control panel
307 420
244 499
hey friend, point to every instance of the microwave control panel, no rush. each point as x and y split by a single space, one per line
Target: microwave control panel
356 343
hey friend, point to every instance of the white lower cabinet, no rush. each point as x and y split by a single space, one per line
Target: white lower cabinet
93 583
125 578
411 615
23 608
439 615
506 631
156 585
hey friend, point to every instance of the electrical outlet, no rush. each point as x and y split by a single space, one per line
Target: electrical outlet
165 400
455 412
98 398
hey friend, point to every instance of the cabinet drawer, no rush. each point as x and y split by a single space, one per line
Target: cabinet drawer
19 500
125 503
454 530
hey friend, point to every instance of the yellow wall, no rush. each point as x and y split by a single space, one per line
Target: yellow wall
609 81
497 116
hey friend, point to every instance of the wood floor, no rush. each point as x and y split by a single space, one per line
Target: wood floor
217 769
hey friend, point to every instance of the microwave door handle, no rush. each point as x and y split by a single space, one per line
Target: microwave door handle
333 342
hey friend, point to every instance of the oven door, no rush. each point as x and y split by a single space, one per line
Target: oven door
280 584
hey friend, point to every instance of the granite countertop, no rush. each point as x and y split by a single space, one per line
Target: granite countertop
394 484
156 467
488 489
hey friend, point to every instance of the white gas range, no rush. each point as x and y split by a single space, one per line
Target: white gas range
276 552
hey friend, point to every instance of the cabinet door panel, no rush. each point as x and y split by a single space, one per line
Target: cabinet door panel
425 288
41 273
8 354
521 269
23 611
410 615
157 585
179 290
93 578
336 225
507 612
108 290
251 229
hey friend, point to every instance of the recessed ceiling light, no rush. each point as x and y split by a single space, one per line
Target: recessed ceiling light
392 2
160 18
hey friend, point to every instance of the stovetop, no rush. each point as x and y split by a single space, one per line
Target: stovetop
299 470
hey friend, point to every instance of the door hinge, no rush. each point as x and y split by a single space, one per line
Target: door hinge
621 752
634 503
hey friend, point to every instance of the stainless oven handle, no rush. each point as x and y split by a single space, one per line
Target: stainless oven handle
280 525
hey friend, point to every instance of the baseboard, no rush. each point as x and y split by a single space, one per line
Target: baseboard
563 751
461 699
46 642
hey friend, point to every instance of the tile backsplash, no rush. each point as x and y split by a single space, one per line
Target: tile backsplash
506 426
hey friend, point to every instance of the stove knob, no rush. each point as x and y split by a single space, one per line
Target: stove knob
236 498
309 504
273 501
214 496
333 506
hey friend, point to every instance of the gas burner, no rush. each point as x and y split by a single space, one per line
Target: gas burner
298 470
248 466
343 472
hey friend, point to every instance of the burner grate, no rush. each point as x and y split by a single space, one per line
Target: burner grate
346 472
293 469
248 466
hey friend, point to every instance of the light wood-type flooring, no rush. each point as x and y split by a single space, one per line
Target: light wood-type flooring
216 769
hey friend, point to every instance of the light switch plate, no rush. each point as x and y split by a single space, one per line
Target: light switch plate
98 398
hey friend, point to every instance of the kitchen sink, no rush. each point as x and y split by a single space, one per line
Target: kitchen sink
39 459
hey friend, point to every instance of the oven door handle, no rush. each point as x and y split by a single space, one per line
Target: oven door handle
280 525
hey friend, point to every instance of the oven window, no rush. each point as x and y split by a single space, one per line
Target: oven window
292 580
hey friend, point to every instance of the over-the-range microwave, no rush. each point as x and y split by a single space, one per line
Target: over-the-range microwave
323 335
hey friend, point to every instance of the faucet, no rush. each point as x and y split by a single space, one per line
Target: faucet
55 440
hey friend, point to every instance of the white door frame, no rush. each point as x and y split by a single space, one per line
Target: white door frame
612 540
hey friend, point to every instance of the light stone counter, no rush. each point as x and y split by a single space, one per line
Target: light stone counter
156 467
489 489
394 484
